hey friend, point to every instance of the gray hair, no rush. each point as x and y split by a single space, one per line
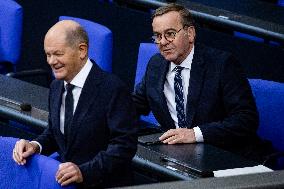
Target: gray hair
76 35
186 17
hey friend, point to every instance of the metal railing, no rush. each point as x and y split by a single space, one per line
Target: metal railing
215 17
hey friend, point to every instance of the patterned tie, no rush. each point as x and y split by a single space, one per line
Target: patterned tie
69 103
179 97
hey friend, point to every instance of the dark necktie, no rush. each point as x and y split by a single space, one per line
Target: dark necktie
179 96
69 103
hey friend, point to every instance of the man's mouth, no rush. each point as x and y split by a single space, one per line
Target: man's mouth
57 67
167 50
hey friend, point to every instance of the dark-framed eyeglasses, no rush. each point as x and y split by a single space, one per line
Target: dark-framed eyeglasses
169 35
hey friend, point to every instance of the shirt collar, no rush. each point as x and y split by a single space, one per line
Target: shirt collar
80 78
186 63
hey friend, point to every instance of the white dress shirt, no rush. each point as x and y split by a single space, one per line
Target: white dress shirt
78 81
170 92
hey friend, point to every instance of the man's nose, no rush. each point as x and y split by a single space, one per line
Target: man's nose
51 60
163 40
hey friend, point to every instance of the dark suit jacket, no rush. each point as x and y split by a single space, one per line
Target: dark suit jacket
102 139
219 101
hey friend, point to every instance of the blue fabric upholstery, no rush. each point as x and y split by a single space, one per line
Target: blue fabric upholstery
248 36
269 96
146 51
38 173
100 42
55 156
11 19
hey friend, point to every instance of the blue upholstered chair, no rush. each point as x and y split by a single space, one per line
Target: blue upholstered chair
146 51
100 41
11 24
38 173
11 19
269 97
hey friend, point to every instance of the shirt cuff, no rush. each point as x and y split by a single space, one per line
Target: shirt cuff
35 142
198 134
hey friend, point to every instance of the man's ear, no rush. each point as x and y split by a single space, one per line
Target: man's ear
190 32
83 50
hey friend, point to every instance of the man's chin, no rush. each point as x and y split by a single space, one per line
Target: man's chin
169 58
167 54
58 76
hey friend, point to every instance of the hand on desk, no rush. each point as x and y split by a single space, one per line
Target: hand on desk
68 173
179 135
22 150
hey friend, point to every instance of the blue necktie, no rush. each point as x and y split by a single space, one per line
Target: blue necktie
179 97
69 103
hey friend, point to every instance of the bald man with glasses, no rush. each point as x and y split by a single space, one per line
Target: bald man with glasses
197 93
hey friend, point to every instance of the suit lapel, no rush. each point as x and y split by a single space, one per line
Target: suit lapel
161 72
57 100
88 95
195 84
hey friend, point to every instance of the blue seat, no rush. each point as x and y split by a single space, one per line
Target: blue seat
11 26
11 23
38 173
146 51
269 97
100 41
248 36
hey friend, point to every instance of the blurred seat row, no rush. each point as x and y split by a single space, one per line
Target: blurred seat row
101 40
11 19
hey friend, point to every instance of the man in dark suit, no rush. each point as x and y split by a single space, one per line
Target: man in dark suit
196 93
91 118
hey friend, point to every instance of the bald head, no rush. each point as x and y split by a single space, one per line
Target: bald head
70 32
66 49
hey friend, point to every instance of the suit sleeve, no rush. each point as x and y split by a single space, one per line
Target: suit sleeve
122 141
241 116
46 139
139 97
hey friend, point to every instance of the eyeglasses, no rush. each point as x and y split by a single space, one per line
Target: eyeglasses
169 35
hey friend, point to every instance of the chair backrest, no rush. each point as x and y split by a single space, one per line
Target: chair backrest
38 173
269 97
146 51
100 41
11 23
